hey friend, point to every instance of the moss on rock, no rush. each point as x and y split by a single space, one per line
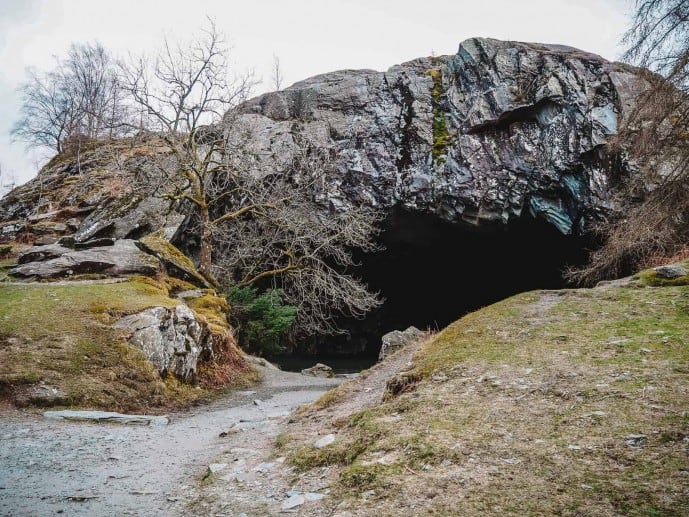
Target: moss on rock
60 336
651 278
442 138
176 262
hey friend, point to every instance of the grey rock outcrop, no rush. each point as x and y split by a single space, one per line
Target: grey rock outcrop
671 271
176 263
319 370
41 253
54 261
130 218
397 339
172 339
485 136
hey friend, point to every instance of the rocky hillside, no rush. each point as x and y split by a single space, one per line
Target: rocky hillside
566 402
500 133
103 311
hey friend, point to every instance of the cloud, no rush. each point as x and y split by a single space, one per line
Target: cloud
17 12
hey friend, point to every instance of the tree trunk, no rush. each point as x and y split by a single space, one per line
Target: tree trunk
205 253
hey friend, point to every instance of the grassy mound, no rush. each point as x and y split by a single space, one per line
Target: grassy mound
548 403
57 338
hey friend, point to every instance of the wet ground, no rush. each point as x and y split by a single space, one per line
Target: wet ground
50 467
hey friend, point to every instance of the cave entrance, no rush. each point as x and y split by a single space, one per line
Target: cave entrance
432 272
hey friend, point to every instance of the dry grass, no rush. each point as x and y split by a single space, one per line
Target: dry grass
59 335
527 408
680 255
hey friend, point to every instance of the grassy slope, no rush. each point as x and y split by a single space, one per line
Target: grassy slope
526 408
60 335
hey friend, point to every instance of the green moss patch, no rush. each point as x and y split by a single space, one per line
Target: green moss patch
649 277
176 262
441 136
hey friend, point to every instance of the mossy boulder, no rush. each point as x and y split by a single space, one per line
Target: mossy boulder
177 263
667 275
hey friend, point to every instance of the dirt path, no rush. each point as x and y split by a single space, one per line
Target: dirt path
254 481
50 467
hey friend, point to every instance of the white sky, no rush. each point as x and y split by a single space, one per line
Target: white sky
309 36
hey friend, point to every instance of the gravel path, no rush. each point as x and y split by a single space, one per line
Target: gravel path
254 480
50 467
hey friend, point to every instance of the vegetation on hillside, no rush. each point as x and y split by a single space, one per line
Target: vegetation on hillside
59 336
262 320
653 224
548 403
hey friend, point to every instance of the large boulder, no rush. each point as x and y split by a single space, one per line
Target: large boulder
499 130
319 370
172 339
397 339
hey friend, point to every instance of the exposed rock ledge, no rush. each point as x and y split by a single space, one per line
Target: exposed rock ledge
485 136
122 257
496 131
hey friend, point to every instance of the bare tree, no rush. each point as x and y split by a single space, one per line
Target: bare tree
8 181
184 89
277 76
78 99
94 75
292 244
48 112
253 216
655 136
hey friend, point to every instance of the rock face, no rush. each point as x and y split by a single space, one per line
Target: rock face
130 218
172 339
482 137
123 257
393 341
496 131
105 192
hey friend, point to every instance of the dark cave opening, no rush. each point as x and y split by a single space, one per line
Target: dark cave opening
431 273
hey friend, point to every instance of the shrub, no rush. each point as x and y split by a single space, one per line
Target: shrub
261 319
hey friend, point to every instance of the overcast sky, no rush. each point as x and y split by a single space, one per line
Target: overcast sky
309 36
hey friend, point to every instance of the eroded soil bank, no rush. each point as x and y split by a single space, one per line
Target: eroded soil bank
55 467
